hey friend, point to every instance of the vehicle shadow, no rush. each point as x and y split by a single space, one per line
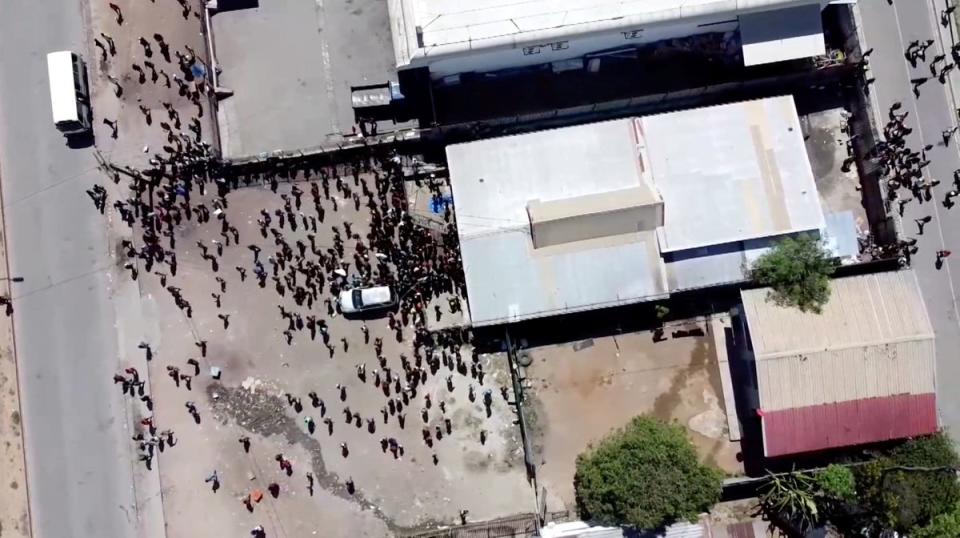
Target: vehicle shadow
376 313
233 5
80 141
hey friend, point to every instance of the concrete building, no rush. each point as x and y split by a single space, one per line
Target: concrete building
630 210
863 371
450 37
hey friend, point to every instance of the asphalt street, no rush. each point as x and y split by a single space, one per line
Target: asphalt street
79 460
889 28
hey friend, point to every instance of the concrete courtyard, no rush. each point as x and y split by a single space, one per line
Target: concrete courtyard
291 64
392 494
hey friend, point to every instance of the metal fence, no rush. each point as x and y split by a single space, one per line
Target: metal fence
522 525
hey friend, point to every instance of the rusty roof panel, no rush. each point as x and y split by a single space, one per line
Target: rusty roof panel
857 422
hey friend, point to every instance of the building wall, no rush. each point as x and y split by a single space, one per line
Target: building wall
529 54
563 43
743 363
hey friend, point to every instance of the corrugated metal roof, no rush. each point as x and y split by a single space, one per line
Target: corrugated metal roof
864 310
846 374
494 180
749 178
508 280
857 422
873 339
731 172
701 268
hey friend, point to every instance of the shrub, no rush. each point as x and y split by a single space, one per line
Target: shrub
645 475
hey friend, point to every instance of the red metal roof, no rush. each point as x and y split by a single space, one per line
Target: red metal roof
850 423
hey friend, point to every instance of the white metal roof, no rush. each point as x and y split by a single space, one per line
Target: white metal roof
717 266
493 181
441 27
782 34
724 174
731 172
63 98
873 339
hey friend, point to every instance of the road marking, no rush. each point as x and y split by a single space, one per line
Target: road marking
327 70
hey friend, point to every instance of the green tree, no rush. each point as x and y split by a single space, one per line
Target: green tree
944 525
644 475
799 272
908 487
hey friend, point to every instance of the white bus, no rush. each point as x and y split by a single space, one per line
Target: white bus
69 92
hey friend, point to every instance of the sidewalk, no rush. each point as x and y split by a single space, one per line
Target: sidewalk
136 143
15 508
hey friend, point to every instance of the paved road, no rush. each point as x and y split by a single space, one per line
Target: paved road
889 29
78 457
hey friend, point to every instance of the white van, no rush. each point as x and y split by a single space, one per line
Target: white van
69 92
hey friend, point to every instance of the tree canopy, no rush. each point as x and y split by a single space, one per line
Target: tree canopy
911 489
947 524
912 485
799 272
645 475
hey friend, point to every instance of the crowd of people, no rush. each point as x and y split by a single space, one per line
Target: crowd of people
904 169
187 183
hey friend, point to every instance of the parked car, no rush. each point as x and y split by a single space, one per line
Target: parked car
363 299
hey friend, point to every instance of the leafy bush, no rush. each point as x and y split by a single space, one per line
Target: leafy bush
910 486
837 482
799 272
645 475
942 526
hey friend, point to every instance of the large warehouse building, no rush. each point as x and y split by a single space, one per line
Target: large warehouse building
863 371
454 36
630 210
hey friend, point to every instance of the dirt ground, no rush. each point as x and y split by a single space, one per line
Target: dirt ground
15 509
137 141
258 370
581 391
